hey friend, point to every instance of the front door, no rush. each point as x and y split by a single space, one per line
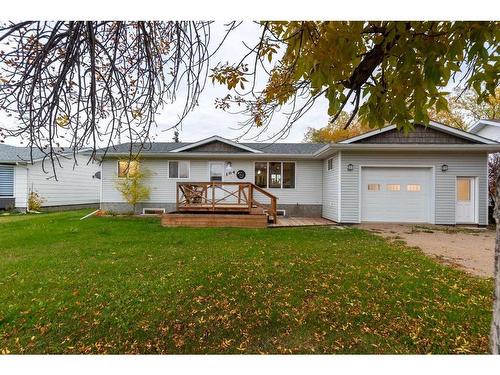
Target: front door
465 200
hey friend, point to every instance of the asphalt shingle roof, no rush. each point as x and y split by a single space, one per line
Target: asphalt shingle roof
14 154
268 148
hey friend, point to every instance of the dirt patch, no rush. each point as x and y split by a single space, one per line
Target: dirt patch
468 248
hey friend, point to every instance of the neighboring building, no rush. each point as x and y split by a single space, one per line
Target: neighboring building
435 174
76 185
487 128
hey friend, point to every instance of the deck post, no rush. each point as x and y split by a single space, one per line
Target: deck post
177 198
213 196
274 210
250 196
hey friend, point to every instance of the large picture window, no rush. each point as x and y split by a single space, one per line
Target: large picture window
275 174
178 169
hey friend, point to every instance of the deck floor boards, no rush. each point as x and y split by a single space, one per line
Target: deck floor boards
301 222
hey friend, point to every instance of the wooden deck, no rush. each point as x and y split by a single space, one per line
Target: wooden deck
284 222
225 197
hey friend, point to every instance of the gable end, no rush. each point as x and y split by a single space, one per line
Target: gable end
217 147
420 135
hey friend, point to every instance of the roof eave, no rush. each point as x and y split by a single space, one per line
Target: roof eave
494 147
200 155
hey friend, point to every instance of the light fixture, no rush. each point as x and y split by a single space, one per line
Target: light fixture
350 167
444 167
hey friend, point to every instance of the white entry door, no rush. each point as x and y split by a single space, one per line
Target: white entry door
466 200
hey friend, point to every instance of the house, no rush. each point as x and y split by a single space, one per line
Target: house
488 128
434 174
76 185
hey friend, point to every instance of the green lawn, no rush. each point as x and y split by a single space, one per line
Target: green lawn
114 285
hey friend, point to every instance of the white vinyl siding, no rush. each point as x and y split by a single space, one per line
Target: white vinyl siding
73 185
331 188
490 132
21 186
308 180
459 164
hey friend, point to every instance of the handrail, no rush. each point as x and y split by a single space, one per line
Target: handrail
196 194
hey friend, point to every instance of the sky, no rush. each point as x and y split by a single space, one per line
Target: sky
205 120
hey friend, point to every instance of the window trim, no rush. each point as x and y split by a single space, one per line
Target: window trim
118 167
267 174
178 166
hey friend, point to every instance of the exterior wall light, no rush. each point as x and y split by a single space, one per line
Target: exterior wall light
444 167
350 167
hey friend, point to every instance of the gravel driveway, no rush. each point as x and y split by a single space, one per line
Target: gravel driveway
471 249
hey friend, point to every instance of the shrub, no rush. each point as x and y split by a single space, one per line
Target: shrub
34 201
133 187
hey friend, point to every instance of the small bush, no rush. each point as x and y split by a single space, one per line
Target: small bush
35 201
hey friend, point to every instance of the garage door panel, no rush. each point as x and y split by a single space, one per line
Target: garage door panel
396 194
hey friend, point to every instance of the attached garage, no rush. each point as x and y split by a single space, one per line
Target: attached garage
396 194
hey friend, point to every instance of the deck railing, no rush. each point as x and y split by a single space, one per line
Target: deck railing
223 197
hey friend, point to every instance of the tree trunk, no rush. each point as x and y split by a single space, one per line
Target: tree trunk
495 323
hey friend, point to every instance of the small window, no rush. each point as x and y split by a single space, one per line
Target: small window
288 175
330 164
463 190
413 187
127 168
373 187
216 171
393 187
178 169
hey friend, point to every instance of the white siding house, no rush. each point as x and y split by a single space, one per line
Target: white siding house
75 186
435 174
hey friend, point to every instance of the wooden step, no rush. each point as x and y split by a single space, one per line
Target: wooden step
214 220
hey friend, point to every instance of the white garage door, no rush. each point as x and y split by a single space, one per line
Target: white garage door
396 194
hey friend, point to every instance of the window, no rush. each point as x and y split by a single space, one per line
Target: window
373 187
216 171
178 169
393 187
127 168
463 190
288 175
6 181
275 174
413 187
261 174
330 164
